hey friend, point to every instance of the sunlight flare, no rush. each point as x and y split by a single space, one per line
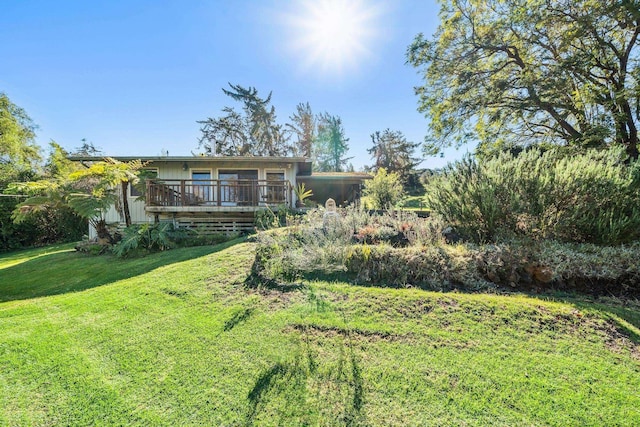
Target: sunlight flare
333 36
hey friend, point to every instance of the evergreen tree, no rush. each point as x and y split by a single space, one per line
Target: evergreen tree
254 132
303 126
330 145
226 135
392 151
87 149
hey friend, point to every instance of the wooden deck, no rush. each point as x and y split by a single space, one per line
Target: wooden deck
209 196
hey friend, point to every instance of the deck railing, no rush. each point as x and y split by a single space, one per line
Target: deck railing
228 192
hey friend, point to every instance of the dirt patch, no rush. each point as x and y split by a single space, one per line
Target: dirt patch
333 331
617 339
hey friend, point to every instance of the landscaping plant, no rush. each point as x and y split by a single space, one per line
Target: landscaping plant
591 197
384 190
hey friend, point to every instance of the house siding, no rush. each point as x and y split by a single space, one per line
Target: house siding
174 170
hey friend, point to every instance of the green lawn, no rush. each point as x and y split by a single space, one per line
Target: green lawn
177 338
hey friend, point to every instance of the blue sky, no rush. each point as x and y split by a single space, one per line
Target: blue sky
134 76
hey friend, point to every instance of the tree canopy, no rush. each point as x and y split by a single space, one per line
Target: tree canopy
392 151
521 72
303 126
89 192
254 132
19 152
384 190
331 145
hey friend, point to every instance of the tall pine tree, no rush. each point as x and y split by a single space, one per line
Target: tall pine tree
331 145
303 127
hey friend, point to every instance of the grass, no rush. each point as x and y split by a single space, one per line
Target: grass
409 203
178 338
413 202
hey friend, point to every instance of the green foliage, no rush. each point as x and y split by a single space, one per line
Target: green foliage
302 193
41 228
171 331
393 152
313 244
331 145
150 238
253 133
384 190
413 202
38 214
400 249
514 264
525 72
105 177
589 197
89 192
303 126
145 238
267 218
19 153
431 267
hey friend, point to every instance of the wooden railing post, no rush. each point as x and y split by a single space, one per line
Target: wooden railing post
183 200
147 200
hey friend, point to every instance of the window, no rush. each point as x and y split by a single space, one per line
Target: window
201 187
138 189
275 187
238 187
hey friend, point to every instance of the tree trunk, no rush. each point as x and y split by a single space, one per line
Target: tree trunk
125 203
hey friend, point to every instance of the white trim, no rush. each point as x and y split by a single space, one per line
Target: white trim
269 170
201 170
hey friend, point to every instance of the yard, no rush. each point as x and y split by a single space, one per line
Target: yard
179 338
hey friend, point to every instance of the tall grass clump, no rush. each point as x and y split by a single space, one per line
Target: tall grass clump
588 197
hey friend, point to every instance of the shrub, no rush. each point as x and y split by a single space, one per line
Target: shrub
40 228
589 197
516 264
362 246
150 237
384 190
433 267
267 218
307 246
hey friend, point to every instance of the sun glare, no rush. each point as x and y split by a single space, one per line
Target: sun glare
333 35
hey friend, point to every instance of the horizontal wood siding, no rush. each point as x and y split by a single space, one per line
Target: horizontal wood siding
217 221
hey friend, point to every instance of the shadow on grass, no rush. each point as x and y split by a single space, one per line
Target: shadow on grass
63 272
265 383
624 314
285 385
237 318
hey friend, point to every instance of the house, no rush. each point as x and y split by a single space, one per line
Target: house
221 194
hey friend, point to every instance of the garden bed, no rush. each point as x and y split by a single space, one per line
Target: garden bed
402 250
